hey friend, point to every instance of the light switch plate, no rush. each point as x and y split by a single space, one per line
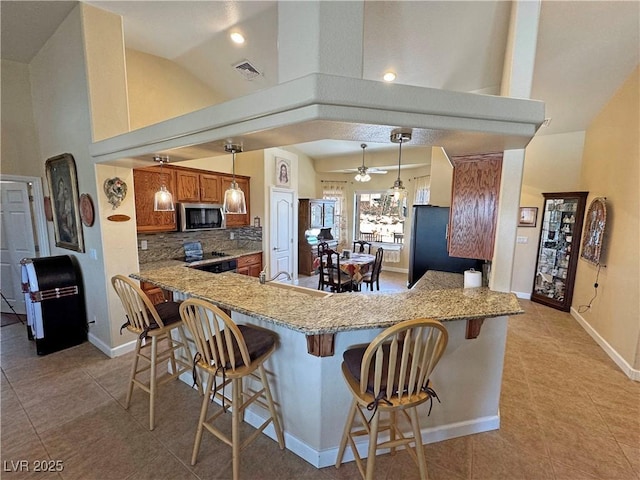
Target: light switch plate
522 239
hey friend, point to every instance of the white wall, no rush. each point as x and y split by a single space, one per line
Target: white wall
20 149
552 164
63 125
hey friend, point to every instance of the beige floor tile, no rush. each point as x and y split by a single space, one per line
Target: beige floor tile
495 458
633 455
593 454
454 456
552 368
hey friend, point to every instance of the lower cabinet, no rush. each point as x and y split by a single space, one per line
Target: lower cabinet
156 294
250 265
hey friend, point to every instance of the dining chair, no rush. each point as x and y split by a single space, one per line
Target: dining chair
362 246
390 376
322 246
233 354
332 276
155 322
373 276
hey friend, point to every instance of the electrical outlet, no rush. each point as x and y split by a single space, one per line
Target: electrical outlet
143 245
93 254
232 235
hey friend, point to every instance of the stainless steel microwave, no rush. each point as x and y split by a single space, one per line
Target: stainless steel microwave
200 216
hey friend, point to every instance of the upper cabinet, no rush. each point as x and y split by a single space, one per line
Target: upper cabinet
237 220
197 187
187 185
146 182
474 205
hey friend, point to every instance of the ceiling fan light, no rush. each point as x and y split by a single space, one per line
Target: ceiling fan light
362 175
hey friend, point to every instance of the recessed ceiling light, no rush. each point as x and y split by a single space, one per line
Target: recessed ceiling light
237 37
389 77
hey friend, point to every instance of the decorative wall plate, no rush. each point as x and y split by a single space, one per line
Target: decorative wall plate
87 214
116 190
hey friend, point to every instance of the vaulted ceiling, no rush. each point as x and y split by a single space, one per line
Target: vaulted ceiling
585 50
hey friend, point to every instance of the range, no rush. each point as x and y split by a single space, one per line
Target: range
193 253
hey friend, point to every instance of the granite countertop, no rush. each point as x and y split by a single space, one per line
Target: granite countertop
232 253
437 295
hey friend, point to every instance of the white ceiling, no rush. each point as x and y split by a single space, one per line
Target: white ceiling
586 49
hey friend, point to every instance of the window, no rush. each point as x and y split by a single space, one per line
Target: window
377 217
334 191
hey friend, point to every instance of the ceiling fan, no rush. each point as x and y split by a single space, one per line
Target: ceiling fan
363 171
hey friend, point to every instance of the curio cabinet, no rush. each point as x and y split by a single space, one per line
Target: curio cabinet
558 249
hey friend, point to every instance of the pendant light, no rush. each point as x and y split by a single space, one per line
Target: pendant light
162 200
398 191
362 175
234 202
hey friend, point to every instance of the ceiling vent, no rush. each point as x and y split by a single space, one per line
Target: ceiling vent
248 71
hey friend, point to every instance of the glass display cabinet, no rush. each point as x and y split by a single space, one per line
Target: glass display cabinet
558 249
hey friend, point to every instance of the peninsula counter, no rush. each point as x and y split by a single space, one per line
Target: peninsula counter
311 395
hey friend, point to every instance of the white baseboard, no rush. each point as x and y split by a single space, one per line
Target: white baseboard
525 296
325 458
395 269
111 352
628 370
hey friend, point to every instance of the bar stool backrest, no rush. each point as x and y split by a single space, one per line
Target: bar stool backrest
217 337
141 313
412 350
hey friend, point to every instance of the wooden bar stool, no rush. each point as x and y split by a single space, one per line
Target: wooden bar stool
230 353
391 376
155 322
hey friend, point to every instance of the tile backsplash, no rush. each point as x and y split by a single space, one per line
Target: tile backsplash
165 246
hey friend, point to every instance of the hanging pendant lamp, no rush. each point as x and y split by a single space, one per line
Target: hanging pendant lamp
162 200
234 202
398 190
362 175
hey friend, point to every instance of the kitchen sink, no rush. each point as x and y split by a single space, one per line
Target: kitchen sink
298 288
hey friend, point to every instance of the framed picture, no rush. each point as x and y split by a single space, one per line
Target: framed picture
63 188
283 172
528 216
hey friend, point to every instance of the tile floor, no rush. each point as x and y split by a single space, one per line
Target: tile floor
567 413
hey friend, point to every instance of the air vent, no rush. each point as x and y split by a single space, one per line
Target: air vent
248 71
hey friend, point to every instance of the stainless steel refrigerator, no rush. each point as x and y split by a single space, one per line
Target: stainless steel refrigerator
428 247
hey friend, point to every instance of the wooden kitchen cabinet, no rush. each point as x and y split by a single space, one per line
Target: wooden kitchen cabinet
474 205
156 294
147 181
197 187
250 264
236 220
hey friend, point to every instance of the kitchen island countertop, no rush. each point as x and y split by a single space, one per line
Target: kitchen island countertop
437 295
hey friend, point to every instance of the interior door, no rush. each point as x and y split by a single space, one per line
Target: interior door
282 232
17 242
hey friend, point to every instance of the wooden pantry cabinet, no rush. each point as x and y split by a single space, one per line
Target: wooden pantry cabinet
474 205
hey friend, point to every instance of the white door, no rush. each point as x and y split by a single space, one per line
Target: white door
17 241
281 240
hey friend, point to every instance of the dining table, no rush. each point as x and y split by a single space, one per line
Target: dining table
356 265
